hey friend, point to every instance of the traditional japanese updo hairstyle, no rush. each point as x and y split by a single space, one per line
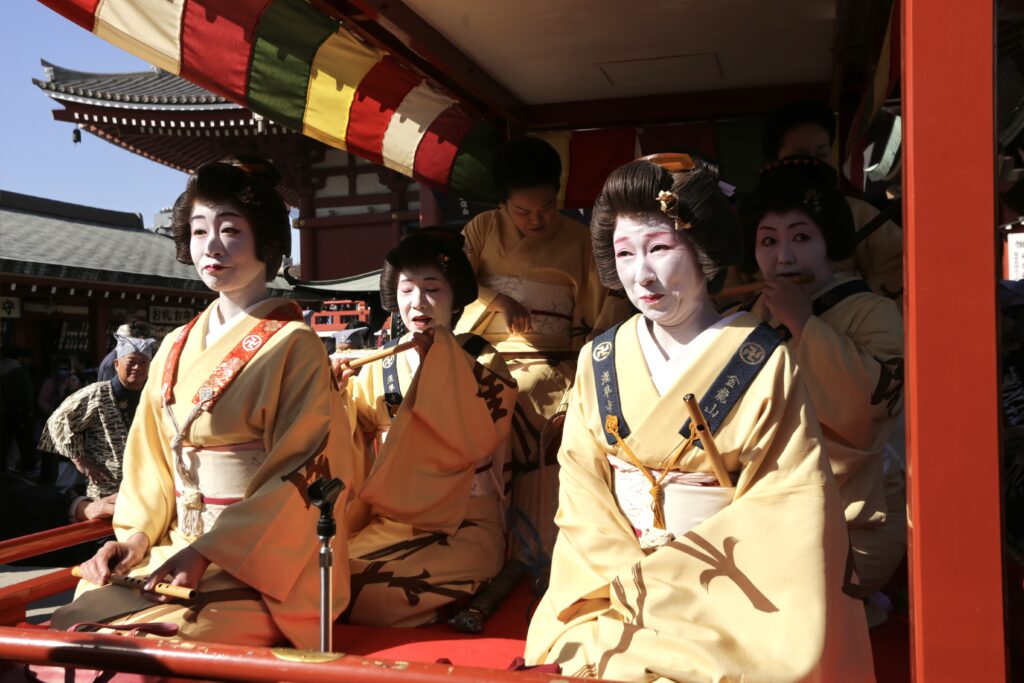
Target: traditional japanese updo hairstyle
248 183
810 185
688 195
430 247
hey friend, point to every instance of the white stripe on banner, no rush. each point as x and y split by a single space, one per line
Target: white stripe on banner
149 29
409 124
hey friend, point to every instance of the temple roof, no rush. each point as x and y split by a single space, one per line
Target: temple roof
156 88
47 238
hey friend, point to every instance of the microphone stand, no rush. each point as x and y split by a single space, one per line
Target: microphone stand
323 494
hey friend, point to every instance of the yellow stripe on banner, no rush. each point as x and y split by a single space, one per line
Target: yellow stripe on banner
409 124
338 68
150 29
560 141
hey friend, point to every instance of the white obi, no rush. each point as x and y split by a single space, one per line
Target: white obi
550 305
687 500
223 474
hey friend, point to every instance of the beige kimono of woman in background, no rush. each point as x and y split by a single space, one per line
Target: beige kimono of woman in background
553 276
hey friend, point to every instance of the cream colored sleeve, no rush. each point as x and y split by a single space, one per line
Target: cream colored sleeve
145 501
859 373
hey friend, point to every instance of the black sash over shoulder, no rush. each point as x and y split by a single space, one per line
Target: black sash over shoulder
474 346
732 382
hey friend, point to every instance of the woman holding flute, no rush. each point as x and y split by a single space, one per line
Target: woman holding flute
696 542
848 343
437 418
241 416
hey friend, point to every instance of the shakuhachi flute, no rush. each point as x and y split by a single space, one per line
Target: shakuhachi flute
754 287
138 583
359 362
700 424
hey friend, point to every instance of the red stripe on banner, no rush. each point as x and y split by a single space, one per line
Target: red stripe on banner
82 12
216 44
377 97
685 138
593 154
439 146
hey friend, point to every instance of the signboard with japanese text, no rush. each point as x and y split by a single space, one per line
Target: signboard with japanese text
10 307
170 315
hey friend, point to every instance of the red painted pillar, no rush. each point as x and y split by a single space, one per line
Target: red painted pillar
952 376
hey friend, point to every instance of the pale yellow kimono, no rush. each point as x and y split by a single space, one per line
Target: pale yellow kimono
438 483
879 257
852 362
284 399
753 593
554 277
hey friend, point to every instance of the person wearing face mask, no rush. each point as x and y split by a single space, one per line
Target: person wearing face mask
663 571
438 417
808 127
848 342
539 300
240 416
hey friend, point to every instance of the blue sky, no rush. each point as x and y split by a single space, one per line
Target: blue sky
37 155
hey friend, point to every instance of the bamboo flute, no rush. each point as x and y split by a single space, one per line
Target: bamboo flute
754 287
137 583
359 362
700 425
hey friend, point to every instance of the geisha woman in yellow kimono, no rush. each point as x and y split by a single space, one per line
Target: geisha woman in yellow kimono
662 571
239 416
539 300
438 418
846 340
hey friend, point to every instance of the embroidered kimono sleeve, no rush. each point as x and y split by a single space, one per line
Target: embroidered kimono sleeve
855 379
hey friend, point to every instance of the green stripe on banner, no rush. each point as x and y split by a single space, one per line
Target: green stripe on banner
471 171
739 152
288 36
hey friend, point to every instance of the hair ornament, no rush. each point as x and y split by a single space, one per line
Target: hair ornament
669 203
246 195
442 260
812 200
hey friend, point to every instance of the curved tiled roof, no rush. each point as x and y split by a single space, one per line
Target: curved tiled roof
154 87
47 238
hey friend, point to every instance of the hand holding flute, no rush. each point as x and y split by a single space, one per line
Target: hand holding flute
755 287
344 368
139 583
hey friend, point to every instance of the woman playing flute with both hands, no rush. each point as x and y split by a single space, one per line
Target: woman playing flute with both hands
437 418
659 572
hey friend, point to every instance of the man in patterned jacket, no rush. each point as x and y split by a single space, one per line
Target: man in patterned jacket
90 426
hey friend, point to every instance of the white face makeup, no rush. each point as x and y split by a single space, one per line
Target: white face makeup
790 243
223 248
658 271
424 298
